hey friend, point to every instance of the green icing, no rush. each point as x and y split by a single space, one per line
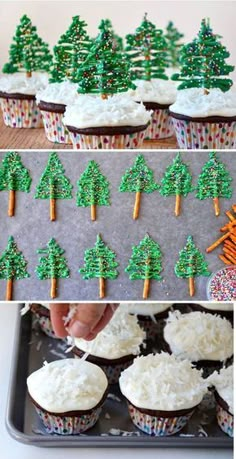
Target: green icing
191 261
93 187
117 40
138 178
99 262
177 179
53 265
12 262
146 260
214 180
53 183
13 175
173 38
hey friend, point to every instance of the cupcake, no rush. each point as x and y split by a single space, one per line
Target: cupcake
222 285
68 395
204 339
204 114
115 347
221 309
162 393
224 395
42 314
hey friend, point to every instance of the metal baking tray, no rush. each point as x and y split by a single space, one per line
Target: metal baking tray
114 428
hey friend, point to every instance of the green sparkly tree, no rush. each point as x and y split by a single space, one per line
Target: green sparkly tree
191 263
53 184
12 266
53 265
139 179
105 71
214 182
177 181
145 263
117 41
70 52
173 38
100 262
28 52
202 62
93 189
13 177
147 51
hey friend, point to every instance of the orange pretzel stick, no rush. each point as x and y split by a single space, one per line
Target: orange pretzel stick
228 226
230 245
102 290
229 255
218 242
222 258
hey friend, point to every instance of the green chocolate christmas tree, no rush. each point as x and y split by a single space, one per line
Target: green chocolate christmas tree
145 263
100 262
173 38
177 181
117 41
147 51
93 189
214 182
138 179
13 177
12 266
70 52
29 52
202 62
53 265
191 263
105 71
53 184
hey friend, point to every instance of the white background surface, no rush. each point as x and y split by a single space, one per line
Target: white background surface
53 17
10 449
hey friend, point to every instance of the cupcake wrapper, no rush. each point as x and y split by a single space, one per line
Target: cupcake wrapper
21 113
45 325
194 135
54 127
112 371
117 141
225 420
161 126
68 425
158 426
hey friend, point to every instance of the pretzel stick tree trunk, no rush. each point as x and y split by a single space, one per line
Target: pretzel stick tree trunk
137 205
9 290
11 203
191 286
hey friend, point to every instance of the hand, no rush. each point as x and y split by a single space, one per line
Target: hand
88 320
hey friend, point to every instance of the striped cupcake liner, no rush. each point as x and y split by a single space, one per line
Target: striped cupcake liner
68 425
161 125
112 372
54 128
21 113
158 426
195 135
225 420
105 142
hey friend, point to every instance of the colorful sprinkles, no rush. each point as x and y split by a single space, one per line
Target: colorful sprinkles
222 285
206 135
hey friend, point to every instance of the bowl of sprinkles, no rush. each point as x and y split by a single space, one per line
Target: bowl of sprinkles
222 285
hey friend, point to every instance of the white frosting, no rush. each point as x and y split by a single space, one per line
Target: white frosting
122 336
117 110
147 309
19 83
194 103
67 385
199 336
59 93
157 90
161 382
217 306
224 384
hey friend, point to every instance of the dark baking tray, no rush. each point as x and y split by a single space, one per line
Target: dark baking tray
31 348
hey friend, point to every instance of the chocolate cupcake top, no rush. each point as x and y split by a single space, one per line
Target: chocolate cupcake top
223 383
156 90
122 336
67 385
199 336
18 83
217 306
161 382
64 93
146 309
117 110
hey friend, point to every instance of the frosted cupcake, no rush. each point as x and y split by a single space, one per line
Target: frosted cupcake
68 395
221 309
202 338
29 55
162 393
115 347
224 394
204 114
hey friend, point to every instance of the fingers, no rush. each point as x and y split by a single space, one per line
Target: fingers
106 317
58 312
85 319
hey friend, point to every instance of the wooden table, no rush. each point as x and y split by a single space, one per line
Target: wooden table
27 139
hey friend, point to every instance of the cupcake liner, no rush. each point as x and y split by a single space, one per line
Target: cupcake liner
68 425
112 372
161 125
45 325
117 141
21 113
156 425
225 420
205 135
54 128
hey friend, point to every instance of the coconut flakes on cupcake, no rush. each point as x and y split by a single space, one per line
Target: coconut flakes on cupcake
224 395
115 347
68 395
221 309
162 393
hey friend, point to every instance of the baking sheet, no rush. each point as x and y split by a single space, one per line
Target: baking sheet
75 232
114 428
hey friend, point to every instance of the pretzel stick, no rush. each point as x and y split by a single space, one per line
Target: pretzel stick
222 258
233 261
137 205
11 203
101 287
191 286
216 206
53 287
9 289
230 246
229 255
233 238
52 209
93 212
234 207
146 287
229 215
177 205
228 226
218 242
